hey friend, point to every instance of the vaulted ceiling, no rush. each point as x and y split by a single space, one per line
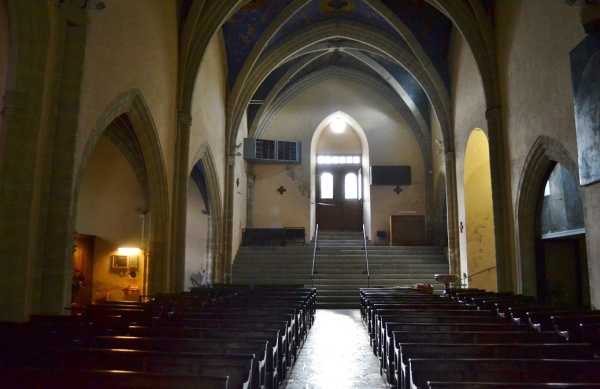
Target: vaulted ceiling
402 45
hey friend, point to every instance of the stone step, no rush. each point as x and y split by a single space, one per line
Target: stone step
340 268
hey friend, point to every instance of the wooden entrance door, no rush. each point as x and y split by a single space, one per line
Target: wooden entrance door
339 202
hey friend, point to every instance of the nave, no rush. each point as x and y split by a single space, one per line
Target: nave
275 337
336 354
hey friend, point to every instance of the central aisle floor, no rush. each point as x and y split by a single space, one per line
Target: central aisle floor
336 355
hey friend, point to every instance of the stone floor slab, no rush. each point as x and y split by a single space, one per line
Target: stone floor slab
336 355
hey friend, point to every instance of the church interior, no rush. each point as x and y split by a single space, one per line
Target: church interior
321 139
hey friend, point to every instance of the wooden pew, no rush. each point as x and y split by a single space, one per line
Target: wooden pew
274 358
568 326
426 317
467 337
31 377
238 367
516 371
284 354
463 323
182 345
590 333
377 310
541 320
504 385
408 351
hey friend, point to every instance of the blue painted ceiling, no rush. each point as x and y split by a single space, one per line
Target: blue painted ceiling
428 25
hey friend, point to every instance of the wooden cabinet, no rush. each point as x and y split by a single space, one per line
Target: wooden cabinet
408 230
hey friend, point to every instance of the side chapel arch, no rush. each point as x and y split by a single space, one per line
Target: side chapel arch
544 154
143 152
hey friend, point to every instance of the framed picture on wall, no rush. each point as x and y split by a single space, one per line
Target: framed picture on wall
134 262
119 261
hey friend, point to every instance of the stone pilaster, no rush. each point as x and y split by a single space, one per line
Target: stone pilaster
179 210
452 211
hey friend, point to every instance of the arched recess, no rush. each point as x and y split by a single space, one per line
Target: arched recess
544 154
471 19
201 22
479 216
366 175
140 144
212 197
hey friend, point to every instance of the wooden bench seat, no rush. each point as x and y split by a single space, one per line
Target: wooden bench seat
183 345
503 370
505 385
408 351
274 358
465 323
284 361
291 341
30 377
238 367
568 326
541 320
590 333
431 317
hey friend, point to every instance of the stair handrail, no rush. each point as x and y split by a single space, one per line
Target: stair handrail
312 273
468 277
366 257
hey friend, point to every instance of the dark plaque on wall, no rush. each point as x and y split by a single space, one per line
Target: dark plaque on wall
585 74
390 175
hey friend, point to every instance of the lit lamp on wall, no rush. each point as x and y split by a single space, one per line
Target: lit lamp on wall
338 125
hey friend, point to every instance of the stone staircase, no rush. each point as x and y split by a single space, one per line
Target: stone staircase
340 267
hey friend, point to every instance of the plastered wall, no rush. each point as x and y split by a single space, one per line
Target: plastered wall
534 40
390 142
132 44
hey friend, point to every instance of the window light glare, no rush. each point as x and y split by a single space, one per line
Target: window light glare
128 250
338 125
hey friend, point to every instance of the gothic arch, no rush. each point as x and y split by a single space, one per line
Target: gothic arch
375 41
141 146
544 154
204 155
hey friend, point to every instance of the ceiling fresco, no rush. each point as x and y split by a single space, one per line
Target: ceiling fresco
429 27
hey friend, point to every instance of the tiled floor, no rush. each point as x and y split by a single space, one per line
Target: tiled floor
336 355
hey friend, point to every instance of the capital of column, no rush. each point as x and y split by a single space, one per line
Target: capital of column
184 118
493 113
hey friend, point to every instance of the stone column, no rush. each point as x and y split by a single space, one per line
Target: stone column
502 207
224 275
181 177
452 211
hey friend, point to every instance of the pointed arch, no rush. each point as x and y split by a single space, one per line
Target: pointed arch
377 42
141 146
205 157
365 161
544 154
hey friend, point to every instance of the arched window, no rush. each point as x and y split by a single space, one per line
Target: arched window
326 186
351 186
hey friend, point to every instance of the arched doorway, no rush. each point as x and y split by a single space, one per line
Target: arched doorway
561 259
340 200
479 216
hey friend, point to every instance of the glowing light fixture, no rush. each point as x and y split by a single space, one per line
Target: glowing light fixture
338 125
128 250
